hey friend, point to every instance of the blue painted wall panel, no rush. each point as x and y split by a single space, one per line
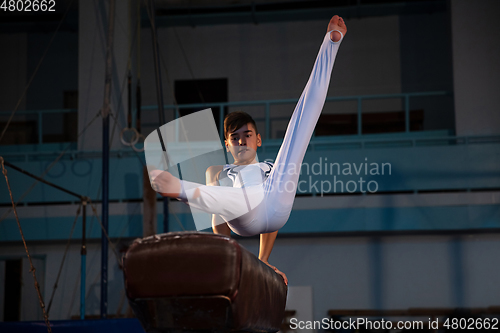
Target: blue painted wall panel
80 176
394 218
56 228
411 168
301 221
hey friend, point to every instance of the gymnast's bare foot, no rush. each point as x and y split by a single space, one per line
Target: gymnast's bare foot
165 183
336 23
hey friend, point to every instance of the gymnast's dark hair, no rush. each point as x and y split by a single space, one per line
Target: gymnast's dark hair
236 120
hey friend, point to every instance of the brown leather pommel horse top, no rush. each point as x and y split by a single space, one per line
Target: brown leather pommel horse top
196 281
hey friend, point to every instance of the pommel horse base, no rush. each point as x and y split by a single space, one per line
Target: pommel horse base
195 281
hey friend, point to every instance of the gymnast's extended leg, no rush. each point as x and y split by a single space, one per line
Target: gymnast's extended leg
286 170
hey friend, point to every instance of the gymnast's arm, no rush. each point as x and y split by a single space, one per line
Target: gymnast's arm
219 226
266 246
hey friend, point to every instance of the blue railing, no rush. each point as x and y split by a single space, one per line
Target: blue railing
268 103
39 114
265 103
423 139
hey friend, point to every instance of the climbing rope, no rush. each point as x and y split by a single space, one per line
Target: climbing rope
32 268
64 258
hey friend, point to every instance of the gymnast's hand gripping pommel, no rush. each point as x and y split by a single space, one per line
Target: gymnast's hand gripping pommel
259 196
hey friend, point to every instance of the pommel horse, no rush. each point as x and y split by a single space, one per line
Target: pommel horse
197 281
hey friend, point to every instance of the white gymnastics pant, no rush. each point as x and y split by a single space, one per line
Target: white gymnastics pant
265 208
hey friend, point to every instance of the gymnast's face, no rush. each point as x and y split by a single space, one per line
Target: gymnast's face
243 144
